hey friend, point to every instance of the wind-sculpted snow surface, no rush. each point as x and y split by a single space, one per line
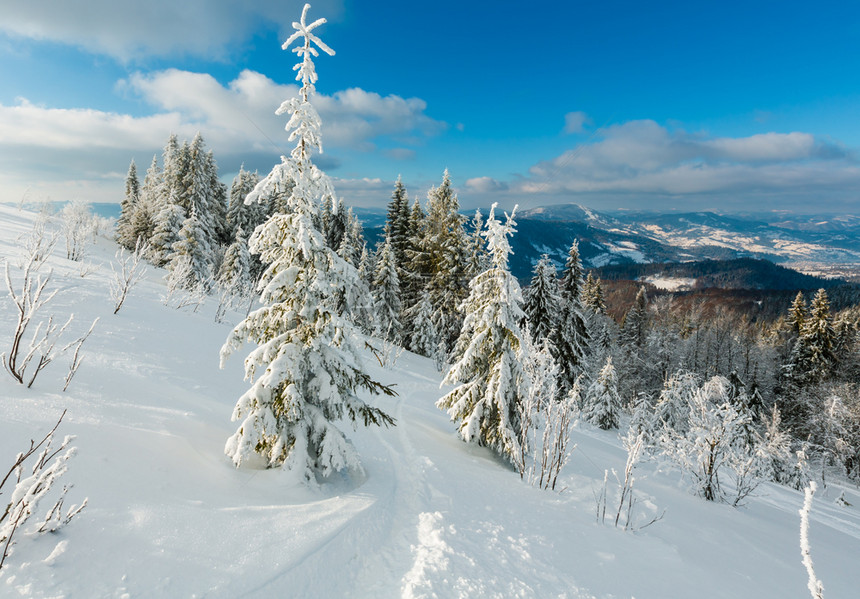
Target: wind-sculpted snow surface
170 516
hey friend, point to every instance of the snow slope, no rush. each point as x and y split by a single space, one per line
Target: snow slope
169 516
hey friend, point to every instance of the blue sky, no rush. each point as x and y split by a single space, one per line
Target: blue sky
723 106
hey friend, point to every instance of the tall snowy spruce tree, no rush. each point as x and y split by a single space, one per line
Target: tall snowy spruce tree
489 375
572 335
306 371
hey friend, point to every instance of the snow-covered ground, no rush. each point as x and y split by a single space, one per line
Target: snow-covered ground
169 515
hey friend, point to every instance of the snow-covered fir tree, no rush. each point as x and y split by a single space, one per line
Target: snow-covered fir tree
572 336
601 405
168 222
192 248
197 192
423 340
813 356
797 314
173 170
386 293
235 272
352 241
489 376
592 295
478 258
417 270
128 206
305 371
239 214
221 232
634 329
441 260
143 218
542 304
397 224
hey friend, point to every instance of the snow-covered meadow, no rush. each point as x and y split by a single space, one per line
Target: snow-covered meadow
170 516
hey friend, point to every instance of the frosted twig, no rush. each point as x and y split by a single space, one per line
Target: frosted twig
76 358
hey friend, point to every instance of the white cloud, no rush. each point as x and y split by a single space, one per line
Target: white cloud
643 159
129 30
485 185
574 122
238 121
352 118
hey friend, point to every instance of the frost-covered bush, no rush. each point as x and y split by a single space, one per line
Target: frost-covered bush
546 419
720 443
77 226
21 493
32 350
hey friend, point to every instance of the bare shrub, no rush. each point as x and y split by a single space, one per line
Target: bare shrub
127 272
28 491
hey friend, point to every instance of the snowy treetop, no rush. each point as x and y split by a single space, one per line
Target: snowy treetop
306 72
497 236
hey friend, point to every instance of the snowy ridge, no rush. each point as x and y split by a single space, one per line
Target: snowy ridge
170 516
625 237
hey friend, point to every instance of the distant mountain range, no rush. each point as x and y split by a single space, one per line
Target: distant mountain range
738 273
812 243
650 237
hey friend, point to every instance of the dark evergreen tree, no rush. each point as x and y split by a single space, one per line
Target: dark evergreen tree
542 302
797 314
813 356
442 252
634 328
571 340
397 224
592 295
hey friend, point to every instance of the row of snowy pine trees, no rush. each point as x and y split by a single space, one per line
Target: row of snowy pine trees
414 286
437 287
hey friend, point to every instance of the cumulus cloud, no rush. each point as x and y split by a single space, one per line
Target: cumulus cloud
485 185
574 122
237 120
643 157
351 118
129 30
